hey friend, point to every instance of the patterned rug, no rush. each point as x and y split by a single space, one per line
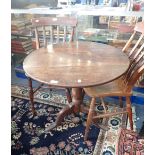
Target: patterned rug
29 135
129 143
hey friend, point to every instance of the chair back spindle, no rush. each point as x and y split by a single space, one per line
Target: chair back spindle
138 32
51 34
134 72
58 35
138 43
37 38
65 35
53 30
44 36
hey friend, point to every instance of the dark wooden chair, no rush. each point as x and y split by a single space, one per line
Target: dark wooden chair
120 87
49 31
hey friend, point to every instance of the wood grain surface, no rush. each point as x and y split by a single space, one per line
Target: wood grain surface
76 64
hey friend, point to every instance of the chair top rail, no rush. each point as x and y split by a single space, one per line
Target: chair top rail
47 21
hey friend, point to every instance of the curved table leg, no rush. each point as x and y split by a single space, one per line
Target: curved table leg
74 107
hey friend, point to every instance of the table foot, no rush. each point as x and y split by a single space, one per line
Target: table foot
73 107
60 117
34 112
52 126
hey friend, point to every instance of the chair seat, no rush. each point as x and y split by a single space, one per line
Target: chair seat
114 88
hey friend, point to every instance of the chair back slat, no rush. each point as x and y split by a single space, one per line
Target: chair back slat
137 53
136 45
138 32
51 34
51 30
72 34
134 66
133 71
37 38
134 61
44 36
65 34
135 77
127 45
58 34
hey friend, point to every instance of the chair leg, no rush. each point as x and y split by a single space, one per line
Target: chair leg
120 101
31 95
103 104
51 92
68 94
129 110
89 118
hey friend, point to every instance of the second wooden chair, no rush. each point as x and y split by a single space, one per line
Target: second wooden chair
120 87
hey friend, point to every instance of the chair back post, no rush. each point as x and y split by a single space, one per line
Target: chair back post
37 38
72 34
57 28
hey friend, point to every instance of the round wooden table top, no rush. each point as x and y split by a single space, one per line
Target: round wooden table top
76 64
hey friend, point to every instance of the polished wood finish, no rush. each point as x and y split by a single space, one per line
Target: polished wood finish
120 87
77 64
